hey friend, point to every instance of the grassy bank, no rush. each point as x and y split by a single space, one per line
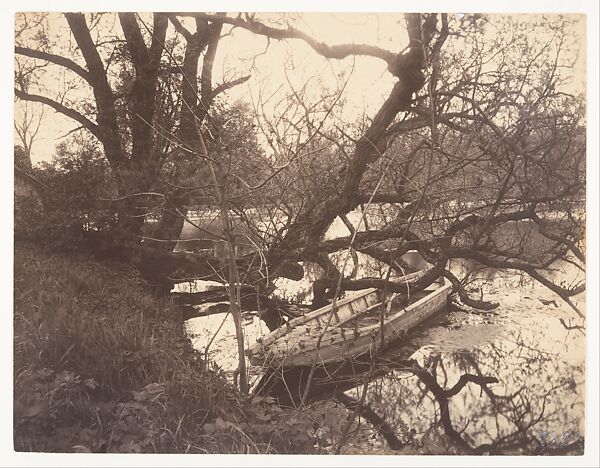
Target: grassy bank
100 365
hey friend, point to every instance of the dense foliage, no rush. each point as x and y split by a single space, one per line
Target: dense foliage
76 187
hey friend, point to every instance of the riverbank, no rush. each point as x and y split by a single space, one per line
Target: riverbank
100 365
531 363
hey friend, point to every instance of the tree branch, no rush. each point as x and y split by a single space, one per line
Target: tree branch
555 237
55 59
403 287
105 99
464 297
134 38
228 85
531 270
412 241
67 111
464 379
334 52
180 28
206 88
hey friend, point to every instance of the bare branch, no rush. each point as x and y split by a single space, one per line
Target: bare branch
464 297
464 379
335 52
180 28
56 59
228 85
72 113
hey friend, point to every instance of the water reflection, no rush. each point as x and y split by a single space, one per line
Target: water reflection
523 371
509 390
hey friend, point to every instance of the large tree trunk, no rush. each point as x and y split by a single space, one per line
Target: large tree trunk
302 239
188 164
168 231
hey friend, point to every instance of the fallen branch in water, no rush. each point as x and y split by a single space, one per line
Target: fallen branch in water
464 297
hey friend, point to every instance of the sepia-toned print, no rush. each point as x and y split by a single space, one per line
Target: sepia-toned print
300 233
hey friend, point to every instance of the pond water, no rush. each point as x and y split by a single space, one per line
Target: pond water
537 405
533 405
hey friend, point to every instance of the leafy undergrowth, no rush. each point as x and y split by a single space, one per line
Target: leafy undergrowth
100 365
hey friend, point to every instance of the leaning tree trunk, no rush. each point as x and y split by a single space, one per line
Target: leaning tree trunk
169 227
191 115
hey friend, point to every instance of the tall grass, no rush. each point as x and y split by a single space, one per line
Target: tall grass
100 365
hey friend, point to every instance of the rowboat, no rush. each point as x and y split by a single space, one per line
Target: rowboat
353 326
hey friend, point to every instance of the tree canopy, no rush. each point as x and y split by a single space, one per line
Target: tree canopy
476 153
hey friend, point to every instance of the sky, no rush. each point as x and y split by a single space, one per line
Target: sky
366 88
241 53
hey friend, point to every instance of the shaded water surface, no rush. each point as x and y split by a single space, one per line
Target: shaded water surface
510 381
524 377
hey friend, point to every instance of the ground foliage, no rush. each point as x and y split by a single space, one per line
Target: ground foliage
101 366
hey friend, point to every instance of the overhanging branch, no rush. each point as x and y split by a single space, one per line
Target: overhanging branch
464 297
55 59
67 111
340 51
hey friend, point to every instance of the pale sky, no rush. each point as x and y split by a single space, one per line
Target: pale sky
236 51
366 89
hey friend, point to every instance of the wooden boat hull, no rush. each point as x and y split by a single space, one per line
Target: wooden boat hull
356 328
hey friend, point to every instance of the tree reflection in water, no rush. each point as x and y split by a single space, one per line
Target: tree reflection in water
512 396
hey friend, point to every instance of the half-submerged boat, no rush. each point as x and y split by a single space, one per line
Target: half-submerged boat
361 323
